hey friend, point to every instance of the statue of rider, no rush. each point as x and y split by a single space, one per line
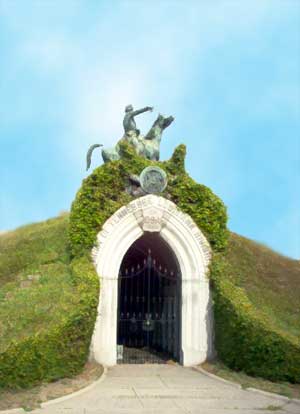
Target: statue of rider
129 122
145 146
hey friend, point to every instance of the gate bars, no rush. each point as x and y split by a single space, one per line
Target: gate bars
148 314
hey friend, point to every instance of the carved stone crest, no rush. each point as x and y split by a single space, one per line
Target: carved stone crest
153 180
152 219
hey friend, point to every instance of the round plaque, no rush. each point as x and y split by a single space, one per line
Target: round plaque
153 180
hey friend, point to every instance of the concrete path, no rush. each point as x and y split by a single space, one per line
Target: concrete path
166 389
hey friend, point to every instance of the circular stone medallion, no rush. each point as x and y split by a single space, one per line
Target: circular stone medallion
153 180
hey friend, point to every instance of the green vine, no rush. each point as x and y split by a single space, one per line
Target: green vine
103 192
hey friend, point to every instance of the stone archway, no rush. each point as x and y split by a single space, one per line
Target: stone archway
152 213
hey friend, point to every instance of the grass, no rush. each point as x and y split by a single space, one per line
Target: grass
35 279
282 388
271 281
28 247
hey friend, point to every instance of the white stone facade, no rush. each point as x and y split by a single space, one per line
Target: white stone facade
152 213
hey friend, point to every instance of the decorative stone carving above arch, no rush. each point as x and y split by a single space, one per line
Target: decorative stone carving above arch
152 213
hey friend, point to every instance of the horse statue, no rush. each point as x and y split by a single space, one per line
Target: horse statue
146 146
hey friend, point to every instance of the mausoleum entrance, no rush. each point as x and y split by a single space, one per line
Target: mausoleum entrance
174 306
149 302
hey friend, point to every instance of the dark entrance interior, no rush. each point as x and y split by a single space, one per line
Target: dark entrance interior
149 303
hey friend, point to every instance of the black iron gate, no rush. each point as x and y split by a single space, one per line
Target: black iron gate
148 314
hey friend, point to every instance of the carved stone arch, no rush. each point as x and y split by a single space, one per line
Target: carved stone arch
152 213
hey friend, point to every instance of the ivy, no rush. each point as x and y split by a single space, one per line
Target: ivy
103 193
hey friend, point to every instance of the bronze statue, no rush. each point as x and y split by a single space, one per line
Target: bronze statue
145 146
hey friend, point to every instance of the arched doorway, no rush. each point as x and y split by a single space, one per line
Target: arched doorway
161 217
149 302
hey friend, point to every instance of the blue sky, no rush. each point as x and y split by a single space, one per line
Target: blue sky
229 71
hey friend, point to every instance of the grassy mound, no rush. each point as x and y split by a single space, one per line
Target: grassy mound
57 300
31 246
47 305
272 281
34 275
256 303
49 288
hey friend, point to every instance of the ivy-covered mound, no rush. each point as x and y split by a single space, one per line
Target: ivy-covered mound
245 340
49 279
46 275
103 192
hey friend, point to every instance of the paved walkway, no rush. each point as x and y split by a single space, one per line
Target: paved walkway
166 389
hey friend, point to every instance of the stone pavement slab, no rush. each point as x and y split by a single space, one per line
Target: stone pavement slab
292 408
166 389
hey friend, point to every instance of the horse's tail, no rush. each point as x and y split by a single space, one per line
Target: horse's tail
89 155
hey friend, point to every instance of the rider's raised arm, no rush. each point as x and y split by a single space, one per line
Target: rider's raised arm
140 111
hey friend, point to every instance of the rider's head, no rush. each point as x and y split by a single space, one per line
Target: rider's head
128 108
